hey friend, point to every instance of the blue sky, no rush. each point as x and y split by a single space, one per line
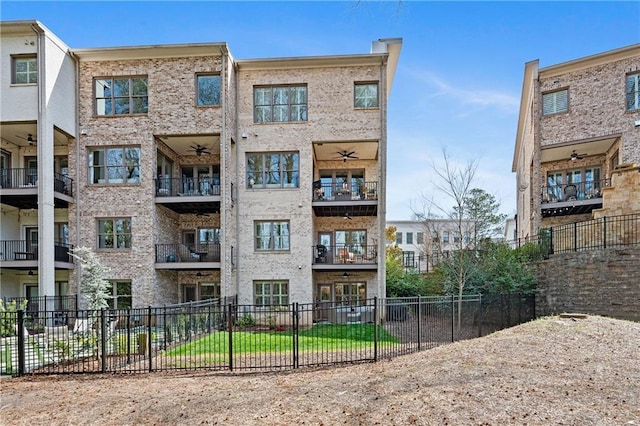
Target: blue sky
458 80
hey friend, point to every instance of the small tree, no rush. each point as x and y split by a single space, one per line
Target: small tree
95 289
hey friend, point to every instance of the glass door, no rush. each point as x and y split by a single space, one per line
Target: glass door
31 171
31 234
5 165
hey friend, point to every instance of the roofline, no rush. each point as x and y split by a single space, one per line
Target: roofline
530 75
590 61
151 51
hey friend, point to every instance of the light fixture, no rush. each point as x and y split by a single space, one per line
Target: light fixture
347 216
30 272
199 274
345 274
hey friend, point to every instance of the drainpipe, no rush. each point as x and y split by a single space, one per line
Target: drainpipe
238 139
382 178
78 267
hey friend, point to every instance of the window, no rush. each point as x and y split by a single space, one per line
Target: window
467 237
343 183
271 293
114 165
114 233
409 237
208 90
420 237
555 102
365 95
121 96
351 293
279 104
445 237
456 237
355 241
121 293
209 291
561 184
25 70
633 92
273 170
272 236
398 237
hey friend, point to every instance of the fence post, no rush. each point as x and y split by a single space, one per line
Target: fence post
375 329
296 344
230 328
149 339
20 332
419 322
453 317
480 318
575 236
103 339
604 231
128 336
550 240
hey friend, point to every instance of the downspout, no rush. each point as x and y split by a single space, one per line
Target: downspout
238 139
223 168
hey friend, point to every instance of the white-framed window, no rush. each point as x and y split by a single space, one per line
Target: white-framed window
272 235
467 237
279 103
365 95
409 237
271 293
420 237
445 236
114 165
408 259
555 102
208 87
114 233
121 96
353 293
398 237
120 292
24 69
633 91
271 170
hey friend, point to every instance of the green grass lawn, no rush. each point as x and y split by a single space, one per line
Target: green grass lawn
319 337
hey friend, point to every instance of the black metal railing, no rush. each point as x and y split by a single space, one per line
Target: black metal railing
27 178
187 187
45 303
26 250
228 337
170 253
344 191
345 254
590 190
601 233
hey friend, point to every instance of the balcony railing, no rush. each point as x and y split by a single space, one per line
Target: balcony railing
181 253
16 250
46 303
187 187
345 191
28 178
579 191
343 254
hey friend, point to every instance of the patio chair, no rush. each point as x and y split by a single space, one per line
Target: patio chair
570 192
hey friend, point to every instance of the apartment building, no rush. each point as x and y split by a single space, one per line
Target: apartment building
425 243
578 140
196 175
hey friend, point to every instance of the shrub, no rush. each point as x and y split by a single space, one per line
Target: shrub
9 316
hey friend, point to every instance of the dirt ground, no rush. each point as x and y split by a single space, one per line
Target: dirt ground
547 372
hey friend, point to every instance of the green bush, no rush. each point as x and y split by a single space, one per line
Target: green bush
9 316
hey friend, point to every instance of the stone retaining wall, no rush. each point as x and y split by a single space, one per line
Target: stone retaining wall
603 282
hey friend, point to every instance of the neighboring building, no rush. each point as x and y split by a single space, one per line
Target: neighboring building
510 231
577 141
425 243
192 174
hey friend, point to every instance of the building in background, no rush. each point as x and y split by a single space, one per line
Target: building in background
192 174
577 145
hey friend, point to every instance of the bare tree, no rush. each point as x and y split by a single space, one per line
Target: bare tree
455 184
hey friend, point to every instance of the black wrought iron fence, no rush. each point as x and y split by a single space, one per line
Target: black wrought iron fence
601 233
231 337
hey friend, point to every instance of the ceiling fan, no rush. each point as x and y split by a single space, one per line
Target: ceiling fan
347 155
29 139
199 149
575 156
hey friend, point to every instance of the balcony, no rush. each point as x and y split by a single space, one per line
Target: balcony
21 254
19 188
572 198
341 257
345 199
188 195
188 256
